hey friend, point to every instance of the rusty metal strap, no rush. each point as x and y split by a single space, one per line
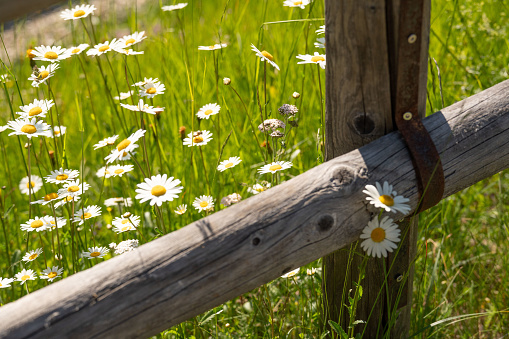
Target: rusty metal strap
425 157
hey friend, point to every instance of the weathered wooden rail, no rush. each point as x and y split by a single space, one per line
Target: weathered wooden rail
10 10
235 250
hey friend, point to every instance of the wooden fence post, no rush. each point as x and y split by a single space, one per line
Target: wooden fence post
361 39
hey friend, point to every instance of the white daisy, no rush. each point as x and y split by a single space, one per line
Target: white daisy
86 213
128 202
58 131
35 181
3 128
75 50
257 188
212 47
320 43
174 7
129 51
6 282
317 58
151 89
38 108
124 95
204 203
29 127
380 237
62 175
104 172
123 224
102 48
32 255
95 252
320 30
274 167
141 107
25 275
125 146
231 162
129 40
47 199
73 189
67 200
291 274
265 56
119 170
49 222
41 74
51 53
158 189
78 12
311 271
198 138
51 273
145 81
208 110
294 3
106 142
181 209
126 156
385 197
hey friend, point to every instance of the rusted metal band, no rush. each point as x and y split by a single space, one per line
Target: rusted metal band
425 157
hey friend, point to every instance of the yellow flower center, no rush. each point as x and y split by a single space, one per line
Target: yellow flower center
86 215
123 144
0 285
378 234
387 200
151 90
69 198
79 13
25 277
34 111
73 189
56 132
31 184
28 129
33 256
268 55
43 75
118 171
125 221
30 54
228 165
130 41
197 139
204 204
261 189
76 50
317 58
51 55
275 167
51 275
62 176
95 254
50 196
212 47
103 48
36 224
158 190
296 3
207 112
126 228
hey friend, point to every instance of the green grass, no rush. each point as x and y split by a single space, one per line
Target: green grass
461 268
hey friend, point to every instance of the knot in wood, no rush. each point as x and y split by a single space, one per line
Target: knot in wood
325 223
363 124
342 176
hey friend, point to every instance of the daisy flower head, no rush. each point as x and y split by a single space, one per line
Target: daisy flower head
103 172
311 271
208 110
381 237
128 202
181 209
385 197
275 167
174 7
32 255
73 189
198 138
119 170
35 224
6 282
258 188
35 182
78 12
129 51
231 199
3 128
158 189
125 146
61 176
86 213
58 131
95 252
204 203
151 89
102 48
142 107
124 96
38 108
106 142
212 47
29 127
145 81
320 30
47 199
317 58
25 275
125 246
75 50
129 40
41 74
296 3
51 53
123 224
231 162
320 43
265 56
66 200
49 222
291 274
52 273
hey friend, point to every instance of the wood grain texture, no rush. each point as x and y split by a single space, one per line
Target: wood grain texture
230 252
11 10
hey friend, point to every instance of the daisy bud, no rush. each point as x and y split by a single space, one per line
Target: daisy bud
30 55
226 81
296 95
52 158
127 215
182 132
